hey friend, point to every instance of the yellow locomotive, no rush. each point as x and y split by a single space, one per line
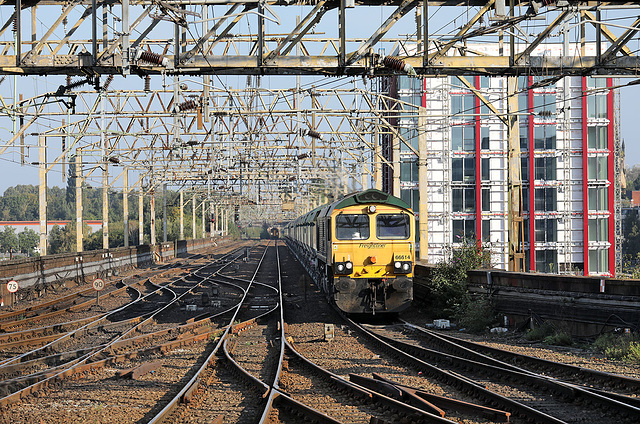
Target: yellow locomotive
360 249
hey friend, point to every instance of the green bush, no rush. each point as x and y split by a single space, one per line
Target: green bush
476 316
539 333
558 339
619 346
547 334
634 352
448 295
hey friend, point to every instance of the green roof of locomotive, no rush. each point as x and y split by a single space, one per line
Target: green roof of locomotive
371 196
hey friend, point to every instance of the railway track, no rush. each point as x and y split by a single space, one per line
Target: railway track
221 388
78 351
527 394
242 338
617 387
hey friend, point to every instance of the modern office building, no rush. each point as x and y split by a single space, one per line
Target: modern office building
569 144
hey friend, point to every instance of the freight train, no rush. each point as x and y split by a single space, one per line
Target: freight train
274 232
360 250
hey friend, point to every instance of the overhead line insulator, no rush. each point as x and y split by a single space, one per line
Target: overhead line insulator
153 58
399 65
188 105
72 85
311 133
107 82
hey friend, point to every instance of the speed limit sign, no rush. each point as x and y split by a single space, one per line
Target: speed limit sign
12 286
98 284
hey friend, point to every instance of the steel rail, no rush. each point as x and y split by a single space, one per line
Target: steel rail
460 382
193 383
16 396
182 329
409 352
513 357
367 394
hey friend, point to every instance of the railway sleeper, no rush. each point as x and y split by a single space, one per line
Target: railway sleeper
408 412
137 372
260 387
567 392
583 374
466 385
445 402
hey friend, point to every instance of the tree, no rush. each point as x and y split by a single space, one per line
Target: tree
62 239
28 240
8 239
19 203
448 294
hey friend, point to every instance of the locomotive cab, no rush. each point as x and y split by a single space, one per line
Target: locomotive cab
372 258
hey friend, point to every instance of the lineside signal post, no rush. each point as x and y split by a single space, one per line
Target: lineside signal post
98 285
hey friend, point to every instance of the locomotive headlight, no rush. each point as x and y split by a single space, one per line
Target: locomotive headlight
402 267
372 208
343 268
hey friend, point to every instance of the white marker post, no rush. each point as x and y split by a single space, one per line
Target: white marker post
12 287
98 285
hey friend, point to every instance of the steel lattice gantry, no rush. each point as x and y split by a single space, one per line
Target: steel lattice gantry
328 38
252 146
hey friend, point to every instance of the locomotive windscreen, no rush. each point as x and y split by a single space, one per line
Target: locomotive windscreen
394 226
352 227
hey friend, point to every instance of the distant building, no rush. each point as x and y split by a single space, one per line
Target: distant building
635 198
569 160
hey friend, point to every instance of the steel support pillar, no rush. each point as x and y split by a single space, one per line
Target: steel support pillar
515 220
141 215
105 170
377 162
422 185
125 37
125 206
105 206
218 220
193 217
225 222
342 31
78 173
153 218
164 212
18 34
396 165
210 223
181 215
204 202
42 193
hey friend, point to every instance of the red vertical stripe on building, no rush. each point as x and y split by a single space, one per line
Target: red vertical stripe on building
611 178
476 83
424 95
585 188
532 190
